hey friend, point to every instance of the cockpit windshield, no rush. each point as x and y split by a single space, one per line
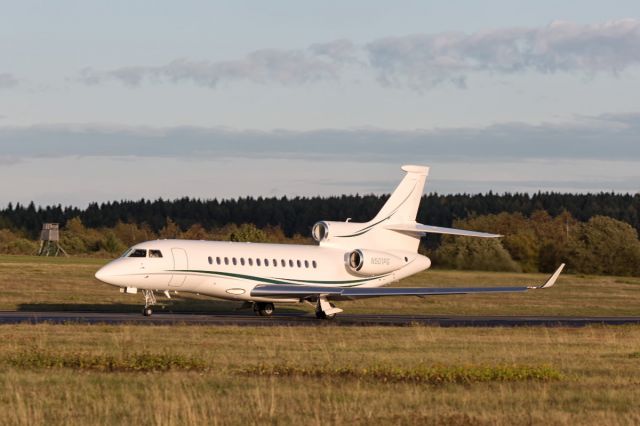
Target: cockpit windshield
131 252
138 253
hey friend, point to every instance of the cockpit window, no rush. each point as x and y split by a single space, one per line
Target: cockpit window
138 253
126 253
155 253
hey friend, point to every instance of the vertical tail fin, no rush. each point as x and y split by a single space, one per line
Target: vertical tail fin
402 206
400 209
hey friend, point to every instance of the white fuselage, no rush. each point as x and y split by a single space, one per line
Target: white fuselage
230 270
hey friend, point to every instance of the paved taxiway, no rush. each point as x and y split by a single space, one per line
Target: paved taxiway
301 319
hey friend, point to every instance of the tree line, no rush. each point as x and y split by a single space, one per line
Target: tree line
297 215
595 234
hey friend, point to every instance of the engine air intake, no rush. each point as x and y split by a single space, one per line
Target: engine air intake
371 262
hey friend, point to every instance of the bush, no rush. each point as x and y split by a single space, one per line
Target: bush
21 246
12 243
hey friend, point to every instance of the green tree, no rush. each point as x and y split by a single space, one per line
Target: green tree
475 254
75 238
519 237
604 246
170 230
196 232
131 233
248 232
111 244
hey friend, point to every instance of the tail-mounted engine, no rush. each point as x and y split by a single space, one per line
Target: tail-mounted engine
328 230
371 262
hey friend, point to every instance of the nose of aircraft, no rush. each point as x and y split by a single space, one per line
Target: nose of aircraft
104 274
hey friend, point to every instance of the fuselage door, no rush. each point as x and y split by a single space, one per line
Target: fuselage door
180 264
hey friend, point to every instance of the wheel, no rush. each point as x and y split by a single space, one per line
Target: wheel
147 311
265 309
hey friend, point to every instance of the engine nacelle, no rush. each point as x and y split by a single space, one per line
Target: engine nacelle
371 262
325 230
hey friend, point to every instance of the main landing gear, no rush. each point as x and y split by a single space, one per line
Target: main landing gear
325 309
264 309
323 315
149 301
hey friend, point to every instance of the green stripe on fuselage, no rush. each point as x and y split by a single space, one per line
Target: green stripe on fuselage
286 281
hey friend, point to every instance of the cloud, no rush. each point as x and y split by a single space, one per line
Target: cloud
426 60
607 137
419 61
318 62
7 81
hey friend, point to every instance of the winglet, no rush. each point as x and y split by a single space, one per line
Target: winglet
552 279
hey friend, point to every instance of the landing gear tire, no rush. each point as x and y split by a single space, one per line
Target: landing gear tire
264 309
149 301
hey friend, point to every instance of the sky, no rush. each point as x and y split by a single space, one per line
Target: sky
134 99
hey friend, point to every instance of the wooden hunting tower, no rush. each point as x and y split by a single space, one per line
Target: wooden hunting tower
50 240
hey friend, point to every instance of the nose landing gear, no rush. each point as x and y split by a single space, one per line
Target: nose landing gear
149 301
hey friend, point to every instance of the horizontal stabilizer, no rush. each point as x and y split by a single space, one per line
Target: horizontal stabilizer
420 229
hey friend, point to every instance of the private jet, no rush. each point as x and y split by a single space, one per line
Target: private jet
350 261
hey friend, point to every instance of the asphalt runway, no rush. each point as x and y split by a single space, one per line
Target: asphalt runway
247 318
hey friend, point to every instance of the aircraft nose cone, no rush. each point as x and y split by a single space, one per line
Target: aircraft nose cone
102 275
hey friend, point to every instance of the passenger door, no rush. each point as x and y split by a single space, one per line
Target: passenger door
180 263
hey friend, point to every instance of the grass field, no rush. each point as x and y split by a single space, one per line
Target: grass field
79 374
164 375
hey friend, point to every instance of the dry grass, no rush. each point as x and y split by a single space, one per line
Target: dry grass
217 375
163 375
32 283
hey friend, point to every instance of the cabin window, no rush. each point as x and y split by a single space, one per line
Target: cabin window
242 261
218 260
290 263
283 263
266 262
250 260
314 264
258 263
138 253
226 260
210 260
155 253
306 263
299 263
275 262
234 261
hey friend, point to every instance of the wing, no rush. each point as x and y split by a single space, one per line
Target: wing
304 291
